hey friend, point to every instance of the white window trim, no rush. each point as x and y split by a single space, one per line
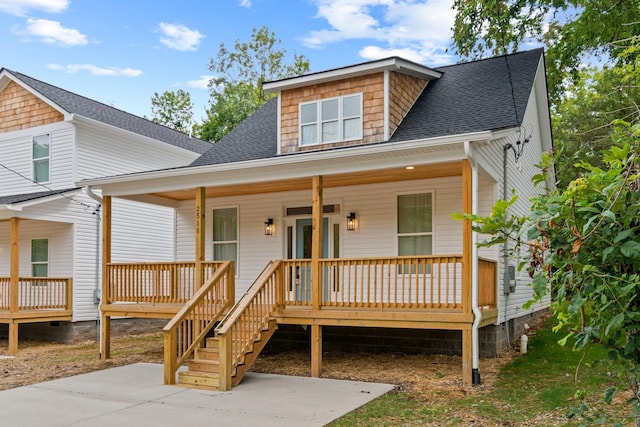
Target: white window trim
220 242
433 219
47 263
33 160
340 120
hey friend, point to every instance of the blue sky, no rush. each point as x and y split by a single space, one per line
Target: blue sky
121 52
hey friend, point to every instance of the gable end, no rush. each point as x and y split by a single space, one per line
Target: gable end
20 109
403 92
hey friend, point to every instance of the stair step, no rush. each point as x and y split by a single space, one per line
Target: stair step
202 365
203 379
207 354
212 342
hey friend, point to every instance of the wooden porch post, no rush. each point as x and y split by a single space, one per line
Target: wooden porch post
14 284
467 199
316 255
200 231
105 321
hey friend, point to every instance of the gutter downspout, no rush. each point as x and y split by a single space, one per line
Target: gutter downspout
505 246
477 314
96 289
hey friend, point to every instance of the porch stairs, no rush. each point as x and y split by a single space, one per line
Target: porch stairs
204 369
220 359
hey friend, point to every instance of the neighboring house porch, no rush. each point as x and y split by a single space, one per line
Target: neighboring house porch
32 298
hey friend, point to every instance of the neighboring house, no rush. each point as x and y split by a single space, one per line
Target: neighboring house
49 227
334 204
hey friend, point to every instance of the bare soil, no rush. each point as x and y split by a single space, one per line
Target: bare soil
432 377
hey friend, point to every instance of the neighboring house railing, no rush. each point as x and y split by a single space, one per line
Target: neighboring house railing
192 323
37 293
159 283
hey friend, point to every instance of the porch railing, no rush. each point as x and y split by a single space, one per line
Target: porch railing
240 329
37 293
487 281
192 323
425 282
159 283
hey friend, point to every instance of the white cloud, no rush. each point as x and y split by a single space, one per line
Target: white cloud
52 32
179 37
245 3
96 71
416 30
21 7
201 83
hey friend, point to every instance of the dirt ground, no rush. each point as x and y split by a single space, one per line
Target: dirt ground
432 377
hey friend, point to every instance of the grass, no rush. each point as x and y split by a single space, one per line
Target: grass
541 388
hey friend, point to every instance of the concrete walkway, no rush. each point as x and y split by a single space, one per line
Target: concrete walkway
134 395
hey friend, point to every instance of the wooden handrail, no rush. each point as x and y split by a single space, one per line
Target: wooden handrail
38 293
154 282
487 281
413 282
189 327
238 331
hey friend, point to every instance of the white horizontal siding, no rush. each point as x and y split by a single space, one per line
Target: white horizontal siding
103 153
518 181
375 206
16 157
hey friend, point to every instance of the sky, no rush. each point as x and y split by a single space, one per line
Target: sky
121 52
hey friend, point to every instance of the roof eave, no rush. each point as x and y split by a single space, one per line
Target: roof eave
282 167
392 64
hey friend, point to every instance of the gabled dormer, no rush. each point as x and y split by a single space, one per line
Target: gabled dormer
355 105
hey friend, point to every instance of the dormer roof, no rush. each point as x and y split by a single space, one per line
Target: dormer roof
394 63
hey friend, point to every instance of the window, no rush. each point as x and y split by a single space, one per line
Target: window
39 257
225 234
415 224
331 120
40 156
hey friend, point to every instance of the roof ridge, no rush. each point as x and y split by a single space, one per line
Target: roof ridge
475 61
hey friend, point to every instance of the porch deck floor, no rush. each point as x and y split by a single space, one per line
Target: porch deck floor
135 393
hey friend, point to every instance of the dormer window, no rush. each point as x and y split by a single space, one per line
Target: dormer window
331 120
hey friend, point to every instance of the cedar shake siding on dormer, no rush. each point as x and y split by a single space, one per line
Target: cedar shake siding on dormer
19 109
403 89
403 92
372 89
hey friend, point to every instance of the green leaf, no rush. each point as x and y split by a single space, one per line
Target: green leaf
624 234
609 394
630 249
615 323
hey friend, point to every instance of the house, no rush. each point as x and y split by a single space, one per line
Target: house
49 227
331 208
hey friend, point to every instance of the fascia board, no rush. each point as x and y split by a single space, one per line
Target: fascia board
354 159
391 64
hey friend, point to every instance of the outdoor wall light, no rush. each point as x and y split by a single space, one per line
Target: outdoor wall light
351 221
268 227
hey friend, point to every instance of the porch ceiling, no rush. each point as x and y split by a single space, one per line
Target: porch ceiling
337 180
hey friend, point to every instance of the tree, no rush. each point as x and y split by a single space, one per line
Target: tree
237 90
570 29
173 109
582 119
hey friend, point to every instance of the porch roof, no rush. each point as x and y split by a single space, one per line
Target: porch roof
17 201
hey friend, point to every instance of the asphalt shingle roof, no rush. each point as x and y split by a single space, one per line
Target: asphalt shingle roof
82 106
20 198
469 97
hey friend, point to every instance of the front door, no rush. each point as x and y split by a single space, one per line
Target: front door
300 248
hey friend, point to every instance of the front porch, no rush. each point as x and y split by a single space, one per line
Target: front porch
456 292
31 299
395 292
